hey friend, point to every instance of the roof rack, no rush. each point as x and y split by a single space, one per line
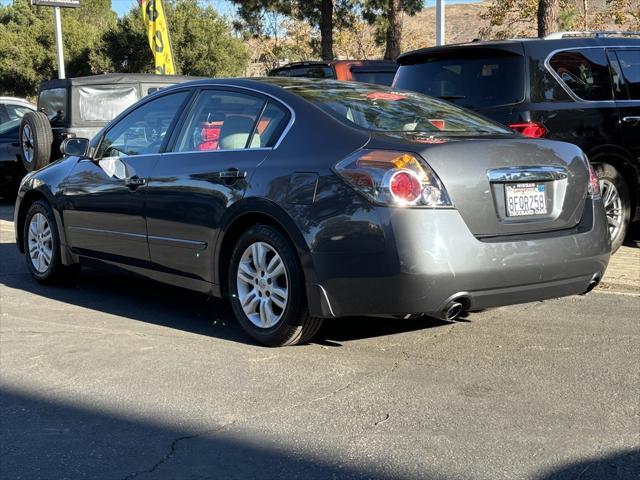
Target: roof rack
590 33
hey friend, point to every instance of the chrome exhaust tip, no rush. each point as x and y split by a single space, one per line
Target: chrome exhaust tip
453 311
595 281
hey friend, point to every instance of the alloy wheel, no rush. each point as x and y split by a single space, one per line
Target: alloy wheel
263 285
27 143
40 243
612 206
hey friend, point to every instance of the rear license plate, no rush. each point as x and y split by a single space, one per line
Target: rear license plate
524 199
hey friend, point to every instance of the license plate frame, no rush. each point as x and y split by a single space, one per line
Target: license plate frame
525 199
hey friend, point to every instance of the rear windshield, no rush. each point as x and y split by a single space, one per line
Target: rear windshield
467 79
383 109
53 103
313 71
102 104
368 76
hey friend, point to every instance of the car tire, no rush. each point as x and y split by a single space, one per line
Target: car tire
42 246
617 202
266 286
36 138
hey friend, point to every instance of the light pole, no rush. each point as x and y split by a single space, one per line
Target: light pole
59 46
440 24
57 4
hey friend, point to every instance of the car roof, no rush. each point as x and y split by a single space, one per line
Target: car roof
310 63
16 100
115 78
517 44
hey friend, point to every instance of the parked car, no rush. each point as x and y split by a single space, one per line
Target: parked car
80 107
11 171
414 206
367 71
579 87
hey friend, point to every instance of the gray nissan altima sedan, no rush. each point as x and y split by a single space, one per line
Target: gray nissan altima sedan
301 200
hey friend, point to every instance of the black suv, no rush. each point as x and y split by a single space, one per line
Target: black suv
579 87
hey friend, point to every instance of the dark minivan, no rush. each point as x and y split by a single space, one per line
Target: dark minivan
582 88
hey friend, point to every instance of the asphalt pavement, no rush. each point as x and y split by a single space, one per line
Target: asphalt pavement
120 378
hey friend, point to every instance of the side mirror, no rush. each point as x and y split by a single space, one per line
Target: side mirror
75 147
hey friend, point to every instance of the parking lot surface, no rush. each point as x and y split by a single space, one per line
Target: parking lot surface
120 378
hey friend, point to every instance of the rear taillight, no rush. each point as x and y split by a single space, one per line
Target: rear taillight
393 178
594 184
530 129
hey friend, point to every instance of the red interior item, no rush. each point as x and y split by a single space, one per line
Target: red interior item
210 134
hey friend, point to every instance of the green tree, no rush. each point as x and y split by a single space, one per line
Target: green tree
387 16
27 42
325 15
202 43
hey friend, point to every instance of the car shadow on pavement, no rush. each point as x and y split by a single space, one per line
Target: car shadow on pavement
623 465
152 302
46 438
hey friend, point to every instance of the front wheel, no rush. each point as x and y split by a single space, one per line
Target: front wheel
42 246
266 285
617 203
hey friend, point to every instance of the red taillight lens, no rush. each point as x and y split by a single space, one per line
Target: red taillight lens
594 184
393 178
405 186
530 129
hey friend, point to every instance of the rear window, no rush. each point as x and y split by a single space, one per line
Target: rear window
585 72
315 71
467 79
386 110
102 104
368 76
53 103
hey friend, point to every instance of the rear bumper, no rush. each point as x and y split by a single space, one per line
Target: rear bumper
431 257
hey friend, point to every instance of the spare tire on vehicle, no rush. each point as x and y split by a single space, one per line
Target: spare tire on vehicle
36 138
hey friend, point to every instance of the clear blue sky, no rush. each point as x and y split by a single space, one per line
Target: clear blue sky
223 6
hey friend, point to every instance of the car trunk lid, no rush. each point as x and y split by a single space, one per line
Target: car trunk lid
506 185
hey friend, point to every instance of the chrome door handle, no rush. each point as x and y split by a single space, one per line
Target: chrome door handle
231 173
631 119
135 182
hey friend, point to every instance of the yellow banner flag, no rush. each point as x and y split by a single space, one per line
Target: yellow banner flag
158 34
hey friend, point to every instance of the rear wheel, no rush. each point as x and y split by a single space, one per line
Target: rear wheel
266 284
617 202
36 138
42 246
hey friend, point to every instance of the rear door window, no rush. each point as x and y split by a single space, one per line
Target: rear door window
629 61
585 73
54 104
468 78
226 120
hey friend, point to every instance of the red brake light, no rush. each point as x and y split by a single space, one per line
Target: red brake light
405 186
594 184
530 129
393 178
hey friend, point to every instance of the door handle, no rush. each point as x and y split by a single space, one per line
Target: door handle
15 144
231 173
631 119
135 182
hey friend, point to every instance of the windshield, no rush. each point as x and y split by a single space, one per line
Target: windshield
468 78
383 109
7 126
